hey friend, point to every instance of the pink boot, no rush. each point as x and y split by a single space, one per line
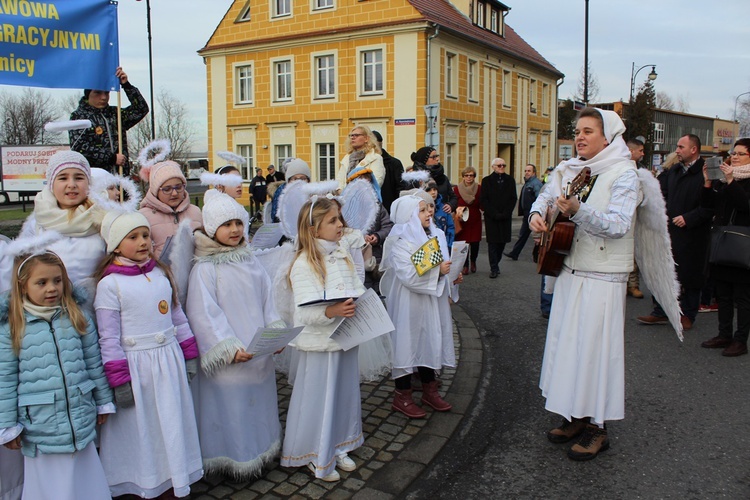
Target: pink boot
431 397
403 402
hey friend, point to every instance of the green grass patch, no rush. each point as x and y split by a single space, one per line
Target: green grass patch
16 213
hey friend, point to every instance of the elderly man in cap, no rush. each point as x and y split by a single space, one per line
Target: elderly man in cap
273 175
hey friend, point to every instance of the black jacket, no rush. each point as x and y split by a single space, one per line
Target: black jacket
682 194
392 182
498 199
98 143
732 205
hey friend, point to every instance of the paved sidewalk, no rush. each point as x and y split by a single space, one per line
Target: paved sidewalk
396 449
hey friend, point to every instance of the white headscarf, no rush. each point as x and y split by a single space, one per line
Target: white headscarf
613 154
407 226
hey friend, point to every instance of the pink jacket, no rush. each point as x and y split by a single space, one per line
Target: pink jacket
164 220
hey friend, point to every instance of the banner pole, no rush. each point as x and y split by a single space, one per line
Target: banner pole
119 136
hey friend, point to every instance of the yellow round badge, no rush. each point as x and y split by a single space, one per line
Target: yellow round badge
98 131
163 307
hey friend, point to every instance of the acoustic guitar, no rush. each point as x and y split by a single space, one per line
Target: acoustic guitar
558 238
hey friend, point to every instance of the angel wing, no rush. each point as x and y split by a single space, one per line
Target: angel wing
290 203
178 254
653 249
359 205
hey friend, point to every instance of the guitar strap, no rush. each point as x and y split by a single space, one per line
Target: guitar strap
585 192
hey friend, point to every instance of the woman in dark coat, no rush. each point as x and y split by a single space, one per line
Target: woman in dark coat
469 193
498 200
730 197
428 159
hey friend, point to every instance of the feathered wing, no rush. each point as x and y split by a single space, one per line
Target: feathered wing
290 203
359 205
277 261
98 195
228 180
180 258
653 249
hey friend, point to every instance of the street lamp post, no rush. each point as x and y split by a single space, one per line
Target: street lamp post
734 115
151 69
633 73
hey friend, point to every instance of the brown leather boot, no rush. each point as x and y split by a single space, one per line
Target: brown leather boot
592 442
403 402
568 430
431 397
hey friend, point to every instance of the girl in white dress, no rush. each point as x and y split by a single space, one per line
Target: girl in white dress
418 307
229 298
149 353
324 421
53 390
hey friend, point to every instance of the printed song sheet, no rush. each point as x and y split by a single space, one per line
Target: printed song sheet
267 236
370 320
270 340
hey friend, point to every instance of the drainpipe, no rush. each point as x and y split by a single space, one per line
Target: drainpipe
429 52
557 114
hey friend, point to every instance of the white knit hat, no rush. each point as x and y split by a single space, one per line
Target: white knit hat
117 225
295 166
66 159
219 208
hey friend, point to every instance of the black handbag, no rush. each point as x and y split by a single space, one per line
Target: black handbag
730 245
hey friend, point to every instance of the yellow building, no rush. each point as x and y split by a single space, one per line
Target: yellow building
290 78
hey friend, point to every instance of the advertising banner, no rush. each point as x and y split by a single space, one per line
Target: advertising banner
24 168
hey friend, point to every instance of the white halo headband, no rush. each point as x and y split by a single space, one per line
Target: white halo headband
20 266
315 198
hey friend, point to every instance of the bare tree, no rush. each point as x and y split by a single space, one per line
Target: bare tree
663 101
172 123
593 86
743 117
682 104
22 117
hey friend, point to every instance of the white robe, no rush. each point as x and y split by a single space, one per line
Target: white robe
236 404
420 311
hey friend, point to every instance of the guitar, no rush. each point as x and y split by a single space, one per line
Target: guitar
558 238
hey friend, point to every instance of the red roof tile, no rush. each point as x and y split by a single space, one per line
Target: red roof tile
443 13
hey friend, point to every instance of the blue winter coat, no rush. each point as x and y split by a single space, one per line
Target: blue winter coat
53 386
444 221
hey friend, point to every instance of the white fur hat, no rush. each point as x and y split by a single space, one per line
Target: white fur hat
219 208
66 159
117 225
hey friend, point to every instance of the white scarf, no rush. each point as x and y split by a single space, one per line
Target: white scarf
44 312
85 221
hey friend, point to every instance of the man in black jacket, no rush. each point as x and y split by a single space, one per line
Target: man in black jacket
498 199
393 171
99 143
689 229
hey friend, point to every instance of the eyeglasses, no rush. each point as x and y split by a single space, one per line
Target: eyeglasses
168 189
354 136
737 153
432 157
501 165
470 175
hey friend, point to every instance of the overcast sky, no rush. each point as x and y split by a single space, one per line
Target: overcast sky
700 49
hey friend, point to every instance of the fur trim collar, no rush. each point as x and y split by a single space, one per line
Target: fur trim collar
208 250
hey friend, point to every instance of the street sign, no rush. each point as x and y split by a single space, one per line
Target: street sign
432 136
578 105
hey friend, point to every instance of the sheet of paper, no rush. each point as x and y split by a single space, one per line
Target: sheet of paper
270 340
267 236
370 320
458 257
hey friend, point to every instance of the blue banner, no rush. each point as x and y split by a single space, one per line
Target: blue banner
68 44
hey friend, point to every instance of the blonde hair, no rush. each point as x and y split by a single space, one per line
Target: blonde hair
468 170
370 146
670 161
310 218
110 259
21 275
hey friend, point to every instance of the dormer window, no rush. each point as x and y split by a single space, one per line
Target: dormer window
489 15
481 7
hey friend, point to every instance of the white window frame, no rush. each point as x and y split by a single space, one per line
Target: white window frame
329 71
507 89
493 21
545 99
280 156
481 11
471 156
533 95
451 75
472 80
247 171
244 15
278 98
658 133
450 150
276 13
238 81
362 70
318 5
322 159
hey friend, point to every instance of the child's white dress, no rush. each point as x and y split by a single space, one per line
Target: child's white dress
325 416
236 406
152 446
